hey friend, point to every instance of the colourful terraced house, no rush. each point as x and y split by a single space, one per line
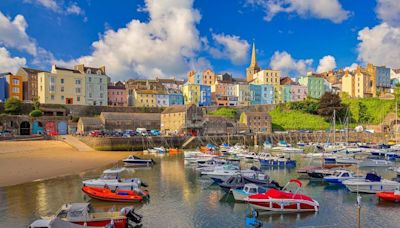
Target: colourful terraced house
315 85
191 94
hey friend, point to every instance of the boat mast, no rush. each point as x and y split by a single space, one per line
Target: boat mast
334 126
395 130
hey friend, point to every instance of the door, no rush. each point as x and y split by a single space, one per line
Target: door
62 128
37 128
25 128
51 128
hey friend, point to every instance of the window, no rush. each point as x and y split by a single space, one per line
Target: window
15 81
99 73
90 79
101 95
77 81
62 98
78 98
62 80
101 87
90 95
88 71
52 80
52 97
15 90
52 88
41 88
62 88
101 80
78 90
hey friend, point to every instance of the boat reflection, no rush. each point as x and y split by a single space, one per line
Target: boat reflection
284 218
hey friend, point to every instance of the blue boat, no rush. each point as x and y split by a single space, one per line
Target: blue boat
339 176
330 160
278 162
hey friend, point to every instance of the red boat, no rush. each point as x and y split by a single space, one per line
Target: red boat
390 196
283 201
106 194
83 214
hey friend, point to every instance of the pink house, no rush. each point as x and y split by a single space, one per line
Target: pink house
117 95
298 92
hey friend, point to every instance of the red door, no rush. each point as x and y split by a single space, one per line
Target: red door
51 128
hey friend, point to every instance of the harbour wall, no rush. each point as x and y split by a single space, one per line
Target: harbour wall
139 143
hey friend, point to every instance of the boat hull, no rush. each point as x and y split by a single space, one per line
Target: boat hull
283 205
371 187
107 195
389 196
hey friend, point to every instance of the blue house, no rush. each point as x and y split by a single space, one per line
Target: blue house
205 95
255 94
175 98
267 94
3 88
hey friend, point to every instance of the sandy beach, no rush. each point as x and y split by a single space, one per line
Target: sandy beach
26 161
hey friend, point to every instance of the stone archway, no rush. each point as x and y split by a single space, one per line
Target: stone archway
25 128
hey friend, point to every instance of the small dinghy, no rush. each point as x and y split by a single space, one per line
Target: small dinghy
283 200
248 189
133 160
390 196
105 194
375 163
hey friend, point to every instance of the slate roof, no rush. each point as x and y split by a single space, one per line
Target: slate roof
130 116
94 121
176 109
33 71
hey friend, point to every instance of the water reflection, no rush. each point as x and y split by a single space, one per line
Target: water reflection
180 197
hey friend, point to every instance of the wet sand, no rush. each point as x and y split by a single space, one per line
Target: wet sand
26 161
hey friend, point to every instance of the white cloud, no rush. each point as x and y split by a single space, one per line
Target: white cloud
74 9
13 34
58 6
49 4
284 62
352 67
324 9
8 63
327 63
380 45
165 45
231 47
389 11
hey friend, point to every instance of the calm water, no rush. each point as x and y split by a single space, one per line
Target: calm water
181 198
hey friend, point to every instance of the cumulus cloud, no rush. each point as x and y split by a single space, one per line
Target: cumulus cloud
323 9
9 63
284 62
352 67
74 9
389 11
166 44
380 45
58 7
230 47
327 63
13 34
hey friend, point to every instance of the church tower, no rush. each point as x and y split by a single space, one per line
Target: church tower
253 68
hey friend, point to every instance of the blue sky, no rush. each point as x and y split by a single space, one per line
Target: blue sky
169 37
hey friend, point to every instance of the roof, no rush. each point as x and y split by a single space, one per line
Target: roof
90 121
150 91
172 80
5 74
176 108
66 69
32 71
116 87
130 116
286 81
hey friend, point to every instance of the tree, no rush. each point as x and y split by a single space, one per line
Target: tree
36 103
363 116
329 103
36 113
13 106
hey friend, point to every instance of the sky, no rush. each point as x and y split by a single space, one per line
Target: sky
167 38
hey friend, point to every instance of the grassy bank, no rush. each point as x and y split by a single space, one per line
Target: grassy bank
368 110
295 120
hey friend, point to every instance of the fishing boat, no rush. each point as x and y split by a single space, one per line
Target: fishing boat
105 194
248 189
372 183
341 175
375 163
133 160
83 214
393 196
283 200
111 178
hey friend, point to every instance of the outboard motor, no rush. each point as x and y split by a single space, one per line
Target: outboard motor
134 217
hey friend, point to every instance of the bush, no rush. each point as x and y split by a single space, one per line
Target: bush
226 112
13 106
297 120
36 113
310 106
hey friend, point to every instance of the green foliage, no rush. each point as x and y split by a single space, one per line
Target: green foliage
36 113
295 120
329 103
309 106
36 103
226 112
13 106
369 110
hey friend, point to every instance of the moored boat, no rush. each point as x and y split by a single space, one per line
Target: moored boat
133 160
248 189
393 196
375 163
339 176
105 194
283 200
112 179
372 183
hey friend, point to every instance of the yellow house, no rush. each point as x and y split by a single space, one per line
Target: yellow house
359 84
191 93
62 86
15 88
145 98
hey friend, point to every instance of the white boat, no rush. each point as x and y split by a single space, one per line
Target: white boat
333 148
341 175
264 156
222 173
375 163
347 160
287 149
283 143
111 178
372 183
134 160
160 149
196 156
247 190
267 144
249 155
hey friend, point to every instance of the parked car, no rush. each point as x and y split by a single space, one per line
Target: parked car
141 131
96 133
155 132
5 133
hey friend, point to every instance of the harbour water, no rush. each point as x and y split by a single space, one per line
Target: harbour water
180 197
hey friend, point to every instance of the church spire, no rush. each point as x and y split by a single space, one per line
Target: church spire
253 62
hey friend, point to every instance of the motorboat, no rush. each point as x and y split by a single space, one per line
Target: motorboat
209 165
372 183
248 189
330 159
238 182
301 144
160 150
105 194
133 160
341 175
195 156
263 156
320 173
283 143
333 148
347 160
111 178
58 223
375 163
392 196
83 214
280 161
222 173
267 144
283 200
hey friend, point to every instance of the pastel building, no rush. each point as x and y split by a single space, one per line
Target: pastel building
162 100
30 84
205 95
267 94
315 85
195 78
62 86
13 86
171 83
269 77
242 92
96 84
298 92
358 84
209 77
144 98
255 94
286 93
117 95
382 78
191 94
175 97
3 88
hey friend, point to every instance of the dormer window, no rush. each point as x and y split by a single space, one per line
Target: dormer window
88 71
